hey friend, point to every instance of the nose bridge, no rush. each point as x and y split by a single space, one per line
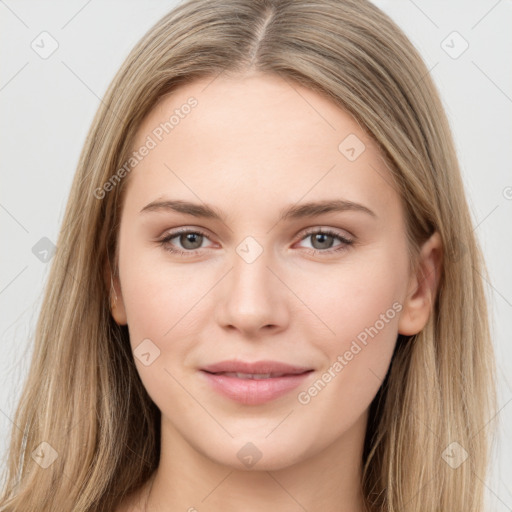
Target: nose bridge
250 275
253 296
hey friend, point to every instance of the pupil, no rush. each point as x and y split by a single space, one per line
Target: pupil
323 239
191 239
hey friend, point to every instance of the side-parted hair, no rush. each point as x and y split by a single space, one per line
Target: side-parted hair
83 395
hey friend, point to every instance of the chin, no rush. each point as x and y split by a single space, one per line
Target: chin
252 453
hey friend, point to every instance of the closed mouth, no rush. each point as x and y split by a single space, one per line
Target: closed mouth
257 376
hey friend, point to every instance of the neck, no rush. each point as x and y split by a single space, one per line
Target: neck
328 481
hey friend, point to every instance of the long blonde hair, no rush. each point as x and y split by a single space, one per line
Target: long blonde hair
83 396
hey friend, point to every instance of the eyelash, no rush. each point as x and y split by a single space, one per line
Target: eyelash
346 242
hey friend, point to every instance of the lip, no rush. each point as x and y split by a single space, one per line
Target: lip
236 366
253 391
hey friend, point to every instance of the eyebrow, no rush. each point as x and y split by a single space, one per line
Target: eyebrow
291 212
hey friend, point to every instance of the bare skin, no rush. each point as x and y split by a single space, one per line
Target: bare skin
250 148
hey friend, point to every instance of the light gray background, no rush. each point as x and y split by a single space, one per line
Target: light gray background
48 104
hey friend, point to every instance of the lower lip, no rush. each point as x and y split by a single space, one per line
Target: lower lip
254 391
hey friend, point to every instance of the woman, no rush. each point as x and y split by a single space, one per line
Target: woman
267 292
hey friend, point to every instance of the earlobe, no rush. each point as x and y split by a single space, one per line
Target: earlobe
117 307
422 288
116 302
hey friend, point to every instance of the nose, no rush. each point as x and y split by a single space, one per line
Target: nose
252 299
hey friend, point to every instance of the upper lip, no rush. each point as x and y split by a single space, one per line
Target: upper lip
257 367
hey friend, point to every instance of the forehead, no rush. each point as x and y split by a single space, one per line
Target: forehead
256 140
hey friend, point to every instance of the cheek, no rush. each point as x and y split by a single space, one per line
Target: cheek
161 304
356 361
362 307
159 297
358 295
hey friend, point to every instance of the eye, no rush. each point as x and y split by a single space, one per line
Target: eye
322 241
190 241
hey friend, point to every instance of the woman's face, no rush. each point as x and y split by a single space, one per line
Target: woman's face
244 166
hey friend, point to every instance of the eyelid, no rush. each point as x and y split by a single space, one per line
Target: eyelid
173 233
328 230
345 241
304 233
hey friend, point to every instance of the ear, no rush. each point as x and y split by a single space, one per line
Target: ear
116 302
422 288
